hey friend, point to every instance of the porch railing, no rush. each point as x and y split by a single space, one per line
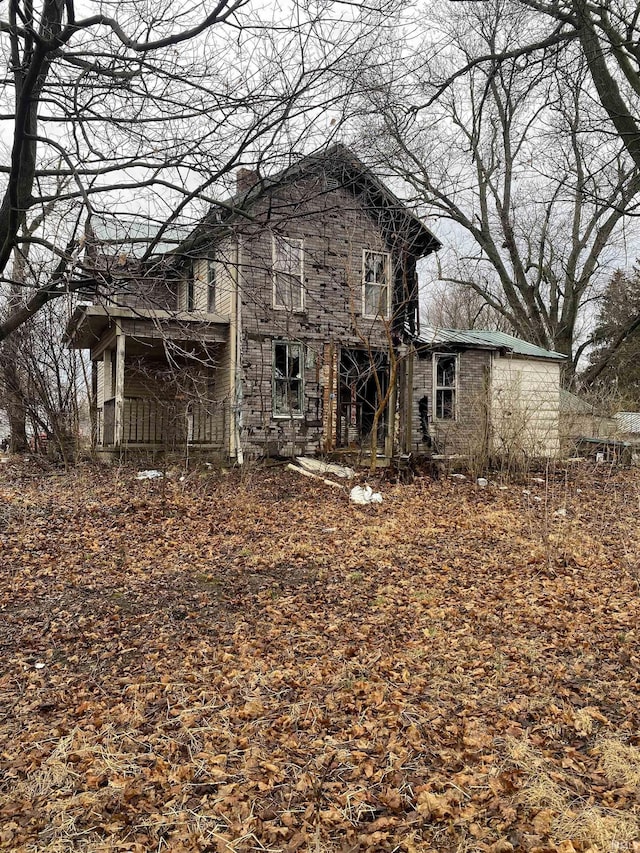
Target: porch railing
168 425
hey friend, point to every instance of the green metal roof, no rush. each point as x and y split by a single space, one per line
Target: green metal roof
475 338
572 403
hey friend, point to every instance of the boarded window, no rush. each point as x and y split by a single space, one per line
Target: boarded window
375 285
288 271
445 376
287 379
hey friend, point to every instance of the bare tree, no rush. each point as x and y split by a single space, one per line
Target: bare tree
457 306
155 105
607 32
604 33
515 154
52 384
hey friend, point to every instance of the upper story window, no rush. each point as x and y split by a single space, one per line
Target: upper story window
445 384
376 292
190 293
198 289
288 273
211 285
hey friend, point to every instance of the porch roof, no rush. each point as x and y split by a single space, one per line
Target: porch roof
89 324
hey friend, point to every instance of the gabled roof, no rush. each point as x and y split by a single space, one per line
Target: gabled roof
345 171
132 230
477 339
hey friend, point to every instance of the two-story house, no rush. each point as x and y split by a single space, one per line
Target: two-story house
280 325
287 323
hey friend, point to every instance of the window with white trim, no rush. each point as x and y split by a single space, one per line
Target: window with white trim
288 379
288 273
375 284
445 380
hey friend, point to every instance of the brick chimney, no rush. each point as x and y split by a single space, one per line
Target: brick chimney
245 179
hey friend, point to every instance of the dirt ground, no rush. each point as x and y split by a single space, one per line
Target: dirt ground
249 662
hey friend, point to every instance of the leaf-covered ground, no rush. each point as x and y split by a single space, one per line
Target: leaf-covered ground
235 664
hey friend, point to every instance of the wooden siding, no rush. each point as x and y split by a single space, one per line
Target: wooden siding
504 405
99 400
467 433
334 229
224 282
99 383
225 277
525 406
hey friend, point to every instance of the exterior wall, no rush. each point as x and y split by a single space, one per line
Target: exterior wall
143 291
334 228
225 284
99 399
525 406
201 286
100 383
224 263
467 433
421 386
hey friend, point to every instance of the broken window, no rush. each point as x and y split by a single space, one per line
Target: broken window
288 291
211 286
288 398
445 376
364 379
375 284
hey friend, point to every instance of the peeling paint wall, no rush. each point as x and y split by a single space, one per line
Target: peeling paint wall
334 229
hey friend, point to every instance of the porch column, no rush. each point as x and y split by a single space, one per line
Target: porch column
118 391
107 390
389 440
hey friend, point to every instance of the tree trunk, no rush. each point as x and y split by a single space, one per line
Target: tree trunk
14 404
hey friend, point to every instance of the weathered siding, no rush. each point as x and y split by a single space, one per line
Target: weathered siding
99 400
99 384
525 406
467 433
334 228
225 276
201 285
421 385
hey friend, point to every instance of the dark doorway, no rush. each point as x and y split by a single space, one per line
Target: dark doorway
359 397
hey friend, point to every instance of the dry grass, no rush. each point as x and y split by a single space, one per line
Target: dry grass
620 762
217 673
567 816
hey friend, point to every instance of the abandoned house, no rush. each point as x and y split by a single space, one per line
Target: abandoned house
286 323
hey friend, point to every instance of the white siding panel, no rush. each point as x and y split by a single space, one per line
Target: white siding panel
225 278
200 287
100 383
525 406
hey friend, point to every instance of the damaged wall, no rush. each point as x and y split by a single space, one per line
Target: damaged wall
334 228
